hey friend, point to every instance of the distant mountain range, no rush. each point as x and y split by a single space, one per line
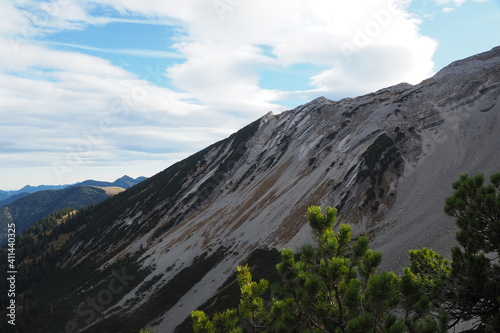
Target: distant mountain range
26 211
123 182
7 197
32 203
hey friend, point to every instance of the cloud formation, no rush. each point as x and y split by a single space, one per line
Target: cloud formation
67 106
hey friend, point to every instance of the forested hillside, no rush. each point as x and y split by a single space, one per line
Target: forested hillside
26 211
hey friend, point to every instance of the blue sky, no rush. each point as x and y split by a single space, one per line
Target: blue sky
99 89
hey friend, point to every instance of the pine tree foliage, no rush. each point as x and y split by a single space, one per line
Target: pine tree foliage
430 268
467 289
335 286
146 330
474 284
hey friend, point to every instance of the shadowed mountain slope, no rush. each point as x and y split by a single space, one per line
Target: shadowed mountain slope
7 197
27 210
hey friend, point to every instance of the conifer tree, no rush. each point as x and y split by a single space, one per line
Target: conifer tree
333 287
474 286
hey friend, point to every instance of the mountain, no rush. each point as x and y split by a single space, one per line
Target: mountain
123 182
13 198
155 252
33 189
27 210
4 195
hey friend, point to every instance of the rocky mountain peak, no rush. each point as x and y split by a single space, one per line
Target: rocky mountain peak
478 62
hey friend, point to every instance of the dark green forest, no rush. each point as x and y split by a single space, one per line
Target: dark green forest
28 210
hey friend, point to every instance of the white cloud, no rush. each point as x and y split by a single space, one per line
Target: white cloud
221 37
451 5
224 76
450 2
131 52
69 110
39 18
220 42
12 22
82 108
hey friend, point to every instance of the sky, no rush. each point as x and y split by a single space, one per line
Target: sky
100 89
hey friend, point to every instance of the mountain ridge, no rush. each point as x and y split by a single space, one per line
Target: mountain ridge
385 159
27 210
124 181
